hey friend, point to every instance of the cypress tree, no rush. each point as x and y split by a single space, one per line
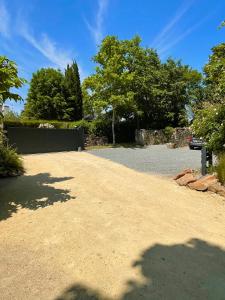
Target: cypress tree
72 92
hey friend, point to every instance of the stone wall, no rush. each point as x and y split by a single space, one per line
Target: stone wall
179 137
93 140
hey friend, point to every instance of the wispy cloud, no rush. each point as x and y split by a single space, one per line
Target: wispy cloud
59 57
46 47
166 39
179 38
4 20
96 30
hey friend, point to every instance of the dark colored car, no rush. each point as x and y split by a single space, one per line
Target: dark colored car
195 143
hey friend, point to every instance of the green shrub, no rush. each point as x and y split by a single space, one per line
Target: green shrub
11 163
209 124
11 116
220 168
36 123
168 131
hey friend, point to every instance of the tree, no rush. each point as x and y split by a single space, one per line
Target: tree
180 87
215 75
110 88
72 92
45 96
162 91
9 79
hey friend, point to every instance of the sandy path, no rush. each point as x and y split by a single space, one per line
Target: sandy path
81 227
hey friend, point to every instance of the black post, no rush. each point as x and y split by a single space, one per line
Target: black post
203 161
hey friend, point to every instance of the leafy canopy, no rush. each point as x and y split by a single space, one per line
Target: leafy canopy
9 79
55 96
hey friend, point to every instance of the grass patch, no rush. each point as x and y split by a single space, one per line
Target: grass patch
120 145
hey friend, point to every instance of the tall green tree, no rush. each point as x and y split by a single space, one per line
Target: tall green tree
72 92
9 79
180 86
45 96
110 88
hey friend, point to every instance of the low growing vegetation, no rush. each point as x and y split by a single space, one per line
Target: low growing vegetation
220 168
11 163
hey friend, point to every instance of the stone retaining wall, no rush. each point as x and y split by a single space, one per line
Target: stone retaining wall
179 137
93 140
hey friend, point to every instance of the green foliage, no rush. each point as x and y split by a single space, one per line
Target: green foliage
9 79
72 92
55 96
220 168
45 99
131 83
110 88
36 123
11 116
215 75
168 131
11 163
209 123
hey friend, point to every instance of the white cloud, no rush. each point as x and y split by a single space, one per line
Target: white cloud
4 21
47 48
97 29
166 38
59 57
179 38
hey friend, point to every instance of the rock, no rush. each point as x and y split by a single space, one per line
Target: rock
171 145
217 188
186 179
181 174
203 183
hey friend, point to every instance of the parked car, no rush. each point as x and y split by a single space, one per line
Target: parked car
195 143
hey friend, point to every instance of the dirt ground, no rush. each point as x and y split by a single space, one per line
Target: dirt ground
81 227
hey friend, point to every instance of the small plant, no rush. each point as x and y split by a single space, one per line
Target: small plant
220 168
11 163
168 131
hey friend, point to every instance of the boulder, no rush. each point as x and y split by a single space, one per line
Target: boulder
186 179
184 172
203 183
217 188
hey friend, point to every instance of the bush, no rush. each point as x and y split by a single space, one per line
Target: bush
11 163
210 125
11 116
168 131
220 168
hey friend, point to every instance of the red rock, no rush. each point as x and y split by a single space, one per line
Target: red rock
217 188
203 183
181 174
186 179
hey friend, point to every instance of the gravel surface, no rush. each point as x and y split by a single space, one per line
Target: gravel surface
157 159
77 226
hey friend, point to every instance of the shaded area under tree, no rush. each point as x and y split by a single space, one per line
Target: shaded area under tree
31 192
194 270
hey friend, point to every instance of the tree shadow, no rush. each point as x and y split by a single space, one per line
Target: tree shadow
30 191
195 270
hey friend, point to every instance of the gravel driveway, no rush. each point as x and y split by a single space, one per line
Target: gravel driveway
80 227
156 159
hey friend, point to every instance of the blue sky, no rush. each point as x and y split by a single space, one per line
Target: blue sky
50 33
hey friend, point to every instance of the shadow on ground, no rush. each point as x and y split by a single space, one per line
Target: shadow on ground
30 191
195 270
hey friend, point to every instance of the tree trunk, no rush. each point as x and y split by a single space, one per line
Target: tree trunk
113 126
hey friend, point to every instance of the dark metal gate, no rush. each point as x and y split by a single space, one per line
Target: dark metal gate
41 140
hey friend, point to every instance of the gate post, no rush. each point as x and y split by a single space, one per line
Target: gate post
203 161
206 160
